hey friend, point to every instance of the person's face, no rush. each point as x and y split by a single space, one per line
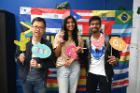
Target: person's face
70 25
95 26
38 28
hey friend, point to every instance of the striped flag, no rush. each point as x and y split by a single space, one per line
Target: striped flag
108 19
122 30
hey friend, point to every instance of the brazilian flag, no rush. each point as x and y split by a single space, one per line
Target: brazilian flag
123 17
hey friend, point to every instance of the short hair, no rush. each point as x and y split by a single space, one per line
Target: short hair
39 19
95 18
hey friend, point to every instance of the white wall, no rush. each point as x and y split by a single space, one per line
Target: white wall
134 63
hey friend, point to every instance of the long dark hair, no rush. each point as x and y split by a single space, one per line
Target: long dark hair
74 32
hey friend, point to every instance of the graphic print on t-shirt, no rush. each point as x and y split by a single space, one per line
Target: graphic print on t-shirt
97 55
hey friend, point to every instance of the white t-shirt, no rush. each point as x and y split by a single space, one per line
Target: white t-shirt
97 61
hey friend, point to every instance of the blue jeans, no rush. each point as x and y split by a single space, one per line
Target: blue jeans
68 77
39 86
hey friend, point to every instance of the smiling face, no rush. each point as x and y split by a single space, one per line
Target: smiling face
38 28
95 26
70 25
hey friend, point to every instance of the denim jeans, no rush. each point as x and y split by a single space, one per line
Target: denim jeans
38 86
68 77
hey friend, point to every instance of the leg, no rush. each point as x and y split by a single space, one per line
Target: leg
28 87
40 86
74 76
92 83
105 87
62 79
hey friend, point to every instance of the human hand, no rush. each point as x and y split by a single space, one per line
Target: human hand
33 63
112 60
22 58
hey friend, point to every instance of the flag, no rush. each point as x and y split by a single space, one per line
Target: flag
123 17
122 30
121 71
54 18
75 15
83 23
107 17
25 10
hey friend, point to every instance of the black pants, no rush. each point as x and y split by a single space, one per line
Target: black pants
93 81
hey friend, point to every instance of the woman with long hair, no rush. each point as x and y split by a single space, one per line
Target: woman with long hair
68 67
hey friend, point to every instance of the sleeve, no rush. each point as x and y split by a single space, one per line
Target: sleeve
55 44
81 44
115 53
48 62
18 52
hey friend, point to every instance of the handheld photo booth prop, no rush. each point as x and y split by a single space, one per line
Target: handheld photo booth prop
71 51
22 42
41 50
117 43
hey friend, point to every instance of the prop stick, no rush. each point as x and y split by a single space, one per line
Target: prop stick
84 48
111 50
111 54
31 60
22 42
22 62
30 66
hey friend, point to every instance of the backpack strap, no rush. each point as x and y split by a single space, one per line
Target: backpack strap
107 43
88 43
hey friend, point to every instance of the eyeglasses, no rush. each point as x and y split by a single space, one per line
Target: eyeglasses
40 28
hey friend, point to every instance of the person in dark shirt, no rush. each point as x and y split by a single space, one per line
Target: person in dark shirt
33 70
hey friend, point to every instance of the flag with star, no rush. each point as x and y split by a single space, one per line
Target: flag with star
75 15
123 17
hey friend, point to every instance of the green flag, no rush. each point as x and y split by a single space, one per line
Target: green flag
26 28
123 17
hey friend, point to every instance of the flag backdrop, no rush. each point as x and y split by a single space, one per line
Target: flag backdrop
114 22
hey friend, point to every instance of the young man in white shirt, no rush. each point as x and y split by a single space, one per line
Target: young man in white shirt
99 60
